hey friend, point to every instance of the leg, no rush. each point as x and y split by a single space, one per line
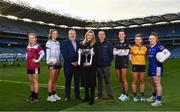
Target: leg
107 75
86 94
36 85
142 84
157 81
120 80
124 73
135 76
153 86
31 83
68 78
92 91
55 80
76 83
100 81
51 80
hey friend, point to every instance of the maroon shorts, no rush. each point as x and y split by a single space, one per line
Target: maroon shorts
33 71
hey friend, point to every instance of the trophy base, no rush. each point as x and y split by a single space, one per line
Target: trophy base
87 64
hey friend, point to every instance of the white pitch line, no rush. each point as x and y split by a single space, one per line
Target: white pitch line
27 83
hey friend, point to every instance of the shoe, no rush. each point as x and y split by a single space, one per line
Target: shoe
120 97
142 99
34 100
85 100
51 98
157 103
66 99
125 98
111 99
56 97
91 102
29 98
98 98
151 99
136 99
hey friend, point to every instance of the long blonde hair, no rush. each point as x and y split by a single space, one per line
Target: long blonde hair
85 38
50 33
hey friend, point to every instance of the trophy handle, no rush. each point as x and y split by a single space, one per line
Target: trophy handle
91 53
79 56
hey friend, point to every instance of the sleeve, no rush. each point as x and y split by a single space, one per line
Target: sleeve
64 51
131 50
48 51
161 48
41 53
111 51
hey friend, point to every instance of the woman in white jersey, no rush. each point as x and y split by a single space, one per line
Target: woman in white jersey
53 51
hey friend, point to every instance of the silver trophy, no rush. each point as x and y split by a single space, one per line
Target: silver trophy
85 52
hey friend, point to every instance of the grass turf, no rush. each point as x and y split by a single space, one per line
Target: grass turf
14 89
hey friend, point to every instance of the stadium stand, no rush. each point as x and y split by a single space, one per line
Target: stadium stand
13 33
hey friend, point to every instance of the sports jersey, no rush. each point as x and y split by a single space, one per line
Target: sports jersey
53 50
33 52
138 55
122 59
155 67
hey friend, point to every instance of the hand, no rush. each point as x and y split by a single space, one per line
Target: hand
80 51
74 63
114 49
35 61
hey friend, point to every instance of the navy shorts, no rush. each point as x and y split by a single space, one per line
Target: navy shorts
138 68
155 71
54 66
121 65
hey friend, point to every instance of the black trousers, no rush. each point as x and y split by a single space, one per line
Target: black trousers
89 93
69 73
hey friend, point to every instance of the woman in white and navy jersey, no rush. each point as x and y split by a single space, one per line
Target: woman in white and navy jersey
121 50
53 50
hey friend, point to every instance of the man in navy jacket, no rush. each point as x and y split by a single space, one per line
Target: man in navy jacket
70 55
104 56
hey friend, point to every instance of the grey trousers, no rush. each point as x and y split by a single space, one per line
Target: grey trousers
104 73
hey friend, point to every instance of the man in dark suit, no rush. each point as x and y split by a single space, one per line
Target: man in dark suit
70 55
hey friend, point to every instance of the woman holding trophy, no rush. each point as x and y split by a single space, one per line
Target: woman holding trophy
86 59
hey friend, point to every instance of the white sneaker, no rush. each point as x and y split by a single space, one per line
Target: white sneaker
142 99
56 97
156 103
125 98
136 99
120 97
151 99
51 98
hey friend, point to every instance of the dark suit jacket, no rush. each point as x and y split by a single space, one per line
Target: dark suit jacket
68 52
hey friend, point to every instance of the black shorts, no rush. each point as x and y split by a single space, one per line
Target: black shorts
33 71
54 66
121 65
138 68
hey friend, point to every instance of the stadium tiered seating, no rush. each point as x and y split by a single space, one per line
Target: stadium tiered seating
175 53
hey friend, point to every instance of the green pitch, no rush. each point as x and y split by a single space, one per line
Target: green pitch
14 89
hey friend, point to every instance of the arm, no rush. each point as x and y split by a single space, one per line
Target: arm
64 51
111 51
41 55
48 52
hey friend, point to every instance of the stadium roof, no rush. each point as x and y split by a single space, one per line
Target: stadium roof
24 11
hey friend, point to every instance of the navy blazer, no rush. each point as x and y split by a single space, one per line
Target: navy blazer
68 52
